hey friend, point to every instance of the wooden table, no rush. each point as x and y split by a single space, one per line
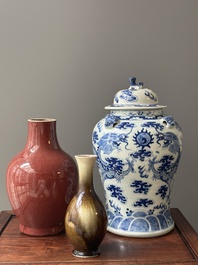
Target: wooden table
180 246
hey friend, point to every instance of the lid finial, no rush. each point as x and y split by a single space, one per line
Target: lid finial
133 85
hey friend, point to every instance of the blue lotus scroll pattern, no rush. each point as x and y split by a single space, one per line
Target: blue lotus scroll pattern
137 162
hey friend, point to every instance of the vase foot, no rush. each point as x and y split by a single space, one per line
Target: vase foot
32 231
86 254
141 234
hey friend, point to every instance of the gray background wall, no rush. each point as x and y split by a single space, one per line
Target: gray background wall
66 59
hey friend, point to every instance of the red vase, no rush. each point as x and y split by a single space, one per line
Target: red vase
41 180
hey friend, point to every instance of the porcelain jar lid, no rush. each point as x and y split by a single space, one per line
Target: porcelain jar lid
135 98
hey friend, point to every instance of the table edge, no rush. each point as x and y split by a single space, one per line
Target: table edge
186 231
5 217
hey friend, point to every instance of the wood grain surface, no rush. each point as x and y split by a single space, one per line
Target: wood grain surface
179 247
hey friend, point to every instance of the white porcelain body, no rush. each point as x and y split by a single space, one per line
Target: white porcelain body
138 152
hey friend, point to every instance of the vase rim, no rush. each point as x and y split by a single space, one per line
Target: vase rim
41 119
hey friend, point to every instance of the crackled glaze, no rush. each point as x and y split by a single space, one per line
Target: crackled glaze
138 151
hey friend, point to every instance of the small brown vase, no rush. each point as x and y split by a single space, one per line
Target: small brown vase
41 181
85 219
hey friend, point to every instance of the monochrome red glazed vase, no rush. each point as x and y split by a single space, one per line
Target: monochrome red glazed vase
41 180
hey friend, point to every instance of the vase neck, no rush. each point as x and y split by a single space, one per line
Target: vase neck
42 132
138 113
85 171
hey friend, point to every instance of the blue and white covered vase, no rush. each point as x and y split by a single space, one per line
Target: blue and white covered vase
138 150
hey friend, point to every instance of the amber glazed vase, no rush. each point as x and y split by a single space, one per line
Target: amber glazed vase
41 181
85 219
